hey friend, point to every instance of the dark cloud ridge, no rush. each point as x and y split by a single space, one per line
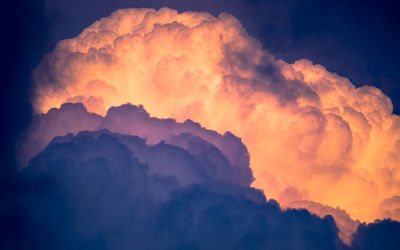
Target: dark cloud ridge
90 192
220 156
101 197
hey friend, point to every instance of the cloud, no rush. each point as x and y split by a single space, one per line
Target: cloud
95 194
389 208
212 156
346 225
91 191
304 126
379 235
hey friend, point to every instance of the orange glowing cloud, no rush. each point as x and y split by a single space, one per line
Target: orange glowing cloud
311 134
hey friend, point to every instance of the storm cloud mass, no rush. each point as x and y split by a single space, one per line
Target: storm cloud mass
97 195
96 172
334 138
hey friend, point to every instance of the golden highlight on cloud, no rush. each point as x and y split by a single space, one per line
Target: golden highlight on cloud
311 134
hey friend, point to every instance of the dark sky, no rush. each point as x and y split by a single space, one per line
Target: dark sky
357 39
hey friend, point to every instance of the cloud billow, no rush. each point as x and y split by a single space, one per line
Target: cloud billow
100 190
305 128
213 156
99 196
311 135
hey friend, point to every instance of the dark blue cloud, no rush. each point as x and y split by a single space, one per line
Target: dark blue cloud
383 234
95 194
89 191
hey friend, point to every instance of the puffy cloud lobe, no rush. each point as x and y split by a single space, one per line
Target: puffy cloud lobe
304 127
211 156
389 208
379 235
346 225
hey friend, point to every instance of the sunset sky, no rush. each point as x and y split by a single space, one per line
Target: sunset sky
206 125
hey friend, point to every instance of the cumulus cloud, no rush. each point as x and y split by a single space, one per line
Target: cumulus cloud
346 225
95 194
212 156
390 208
91 191
383 234
305 127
